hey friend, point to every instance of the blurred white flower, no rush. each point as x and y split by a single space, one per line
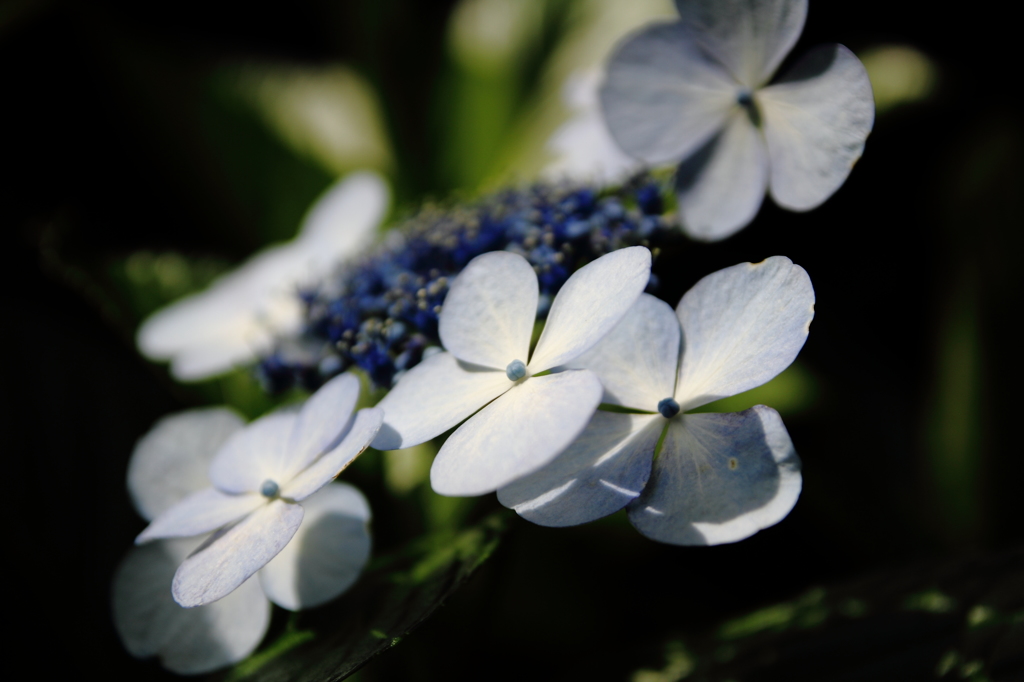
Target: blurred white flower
486 325
719 477
259 476
168 464
696 91
238 317
583 147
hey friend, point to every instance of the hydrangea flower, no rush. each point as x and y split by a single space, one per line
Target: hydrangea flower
240 315
486 327
260 475
168 464
718 477
381 312
698 91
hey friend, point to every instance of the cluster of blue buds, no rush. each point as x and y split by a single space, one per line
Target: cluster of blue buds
380 313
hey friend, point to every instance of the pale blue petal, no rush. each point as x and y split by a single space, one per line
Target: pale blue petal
721 186
590 304
663 97
516 434
741 327
357 438
187 641
719 478
603 470
749 37
321 422
171 461
255 454
816 119
231 556
637 361
434 396
488 313
327 554
199 513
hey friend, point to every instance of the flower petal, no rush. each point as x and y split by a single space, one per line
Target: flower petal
199 513
230 557
363 428
719 478
255 454
343 220
327 553
170 462
434 396
516 434
663 97
603 470
749 37
637 361
741 327
321 422
488 313
590 304
721 186
816 119
188 641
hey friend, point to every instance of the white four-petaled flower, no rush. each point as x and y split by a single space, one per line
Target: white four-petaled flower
260 475
718 477
238 317
486 325
168 464
697 91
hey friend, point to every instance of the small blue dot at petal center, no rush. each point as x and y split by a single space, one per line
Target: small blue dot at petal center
516 370
269 488
668 408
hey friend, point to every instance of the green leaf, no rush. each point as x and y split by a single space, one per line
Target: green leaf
398 592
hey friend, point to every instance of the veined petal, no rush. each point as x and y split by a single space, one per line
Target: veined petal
720 187
327 553
749 37
662 97
741 327
321 472
199 513
603 470
719 478
187 641
488 313
434 396
590 304
228 560
516 434
170 462
637 361
321 422
255 454
816 119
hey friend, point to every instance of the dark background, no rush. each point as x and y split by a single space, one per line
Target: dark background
911 451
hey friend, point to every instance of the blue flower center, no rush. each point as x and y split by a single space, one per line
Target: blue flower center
516 370
269 488
668 408
745 98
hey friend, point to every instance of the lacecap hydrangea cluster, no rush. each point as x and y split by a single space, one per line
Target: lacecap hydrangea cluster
380 313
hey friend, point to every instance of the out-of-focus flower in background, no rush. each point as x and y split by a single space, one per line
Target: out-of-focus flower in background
696 92
238 317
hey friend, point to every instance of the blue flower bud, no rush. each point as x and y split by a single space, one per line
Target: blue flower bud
668 408
269 488
516 370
